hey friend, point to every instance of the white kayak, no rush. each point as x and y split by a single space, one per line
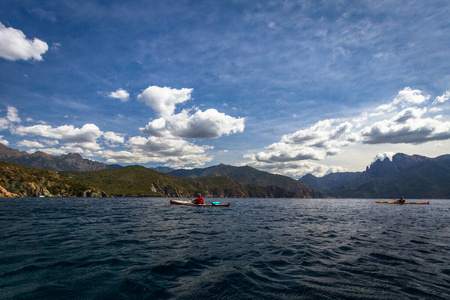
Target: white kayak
182 202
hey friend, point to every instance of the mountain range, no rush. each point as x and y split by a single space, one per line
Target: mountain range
411 176
218 181
41 160
141 181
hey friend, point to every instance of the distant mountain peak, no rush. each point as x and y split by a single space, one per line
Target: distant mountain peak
42 160
382 157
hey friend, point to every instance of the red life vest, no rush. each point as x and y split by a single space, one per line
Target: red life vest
200 200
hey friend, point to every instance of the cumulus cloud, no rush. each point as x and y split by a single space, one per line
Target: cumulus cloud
201 124
4 123
167 142
86 134
295 169
443 98
14 45
113 137
405 98
409 114
2 141
170 151
408 126
164 99
86 149
12 116
30 144
314 143
50 142
406 119
89 140
75 140
120 94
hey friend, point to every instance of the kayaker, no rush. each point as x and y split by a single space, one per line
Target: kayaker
401 200
199 199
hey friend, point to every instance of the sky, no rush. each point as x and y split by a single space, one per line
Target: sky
288 87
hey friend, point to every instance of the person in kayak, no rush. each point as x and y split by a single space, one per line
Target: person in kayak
401 200
199 199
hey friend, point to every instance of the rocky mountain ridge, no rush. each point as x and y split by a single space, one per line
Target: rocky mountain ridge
41 160
413 176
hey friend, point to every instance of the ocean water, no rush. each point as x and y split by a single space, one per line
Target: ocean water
145 248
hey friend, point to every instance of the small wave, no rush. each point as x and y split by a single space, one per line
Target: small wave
179 268
418 242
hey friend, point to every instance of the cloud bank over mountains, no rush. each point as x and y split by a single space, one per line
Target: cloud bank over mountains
410 118
171 138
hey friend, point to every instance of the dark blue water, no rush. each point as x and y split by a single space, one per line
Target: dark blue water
145 248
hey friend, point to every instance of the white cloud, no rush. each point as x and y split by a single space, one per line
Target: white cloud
30 144
164 99
86 134
120 94
295 169
12 116
4 124
156 128
441 99
405 120
167 142
89 140
314 143
77 140
2 141
202 124
86 149
408 114
170 151
295 153
409 127
405 98
114 137
14 45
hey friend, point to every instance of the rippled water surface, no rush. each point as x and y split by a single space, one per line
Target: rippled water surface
145 248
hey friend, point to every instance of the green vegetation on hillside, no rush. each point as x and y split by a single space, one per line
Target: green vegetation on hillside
141 181
25 181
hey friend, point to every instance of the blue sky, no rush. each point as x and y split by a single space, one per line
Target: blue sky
289 87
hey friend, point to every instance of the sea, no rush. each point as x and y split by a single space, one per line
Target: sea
145 248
